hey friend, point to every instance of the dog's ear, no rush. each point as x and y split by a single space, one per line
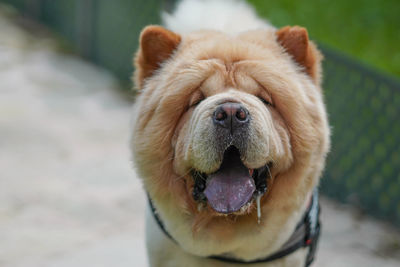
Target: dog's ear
303 51
156 44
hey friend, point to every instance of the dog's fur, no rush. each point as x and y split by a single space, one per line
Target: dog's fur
181 76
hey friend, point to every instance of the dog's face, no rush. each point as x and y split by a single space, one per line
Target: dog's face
231 140
223 120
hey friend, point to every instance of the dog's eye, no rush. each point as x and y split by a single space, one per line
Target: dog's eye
196 99
266 102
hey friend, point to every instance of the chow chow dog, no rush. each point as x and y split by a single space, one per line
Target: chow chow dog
230 137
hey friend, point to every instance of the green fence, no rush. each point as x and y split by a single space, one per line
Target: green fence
364 165
103 31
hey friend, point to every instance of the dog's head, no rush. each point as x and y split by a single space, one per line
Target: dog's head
222 120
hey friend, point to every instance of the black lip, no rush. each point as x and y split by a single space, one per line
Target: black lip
260 176
200 180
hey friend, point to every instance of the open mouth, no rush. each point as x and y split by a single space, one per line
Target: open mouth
233 186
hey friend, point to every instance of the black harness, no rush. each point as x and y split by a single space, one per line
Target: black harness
305 235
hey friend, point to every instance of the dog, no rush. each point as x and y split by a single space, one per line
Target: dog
230 138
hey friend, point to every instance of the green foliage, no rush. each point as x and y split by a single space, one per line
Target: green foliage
368 30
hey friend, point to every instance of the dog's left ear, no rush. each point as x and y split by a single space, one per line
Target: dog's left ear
303 51
156 45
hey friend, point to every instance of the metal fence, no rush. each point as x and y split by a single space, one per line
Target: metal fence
103 31
364 165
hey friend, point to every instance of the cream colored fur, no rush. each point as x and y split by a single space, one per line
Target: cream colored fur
229 16
170 138
163 252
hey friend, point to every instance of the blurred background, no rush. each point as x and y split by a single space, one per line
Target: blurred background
68 194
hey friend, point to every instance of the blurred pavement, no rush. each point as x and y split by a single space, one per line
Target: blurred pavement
68 193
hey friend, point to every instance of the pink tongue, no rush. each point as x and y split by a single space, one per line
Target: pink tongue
231 187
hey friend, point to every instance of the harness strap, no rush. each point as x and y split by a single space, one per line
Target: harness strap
306 234
158 220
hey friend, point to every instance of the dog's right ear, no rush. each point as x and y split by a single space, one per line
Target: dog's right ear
303 51
155 46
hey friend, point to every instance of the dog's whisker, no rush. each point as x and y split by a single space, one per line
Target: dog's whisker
201 176
269 171
183 175
171 159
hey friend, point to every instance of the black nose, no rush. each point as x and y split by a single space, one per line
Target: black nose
231 115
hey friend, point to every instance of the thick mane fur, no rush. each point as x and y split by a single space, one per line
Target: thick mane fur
212 51
220 15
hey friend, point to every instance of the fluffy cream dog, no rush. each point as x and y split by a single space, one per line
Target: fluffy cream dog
230 135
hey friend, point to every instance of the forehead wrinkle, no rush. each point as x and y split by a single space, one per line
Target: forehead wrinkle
216 82
187 77
274 78
228 72
242 80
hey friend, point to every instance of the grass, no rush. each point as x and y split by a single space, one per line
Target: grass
367 30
